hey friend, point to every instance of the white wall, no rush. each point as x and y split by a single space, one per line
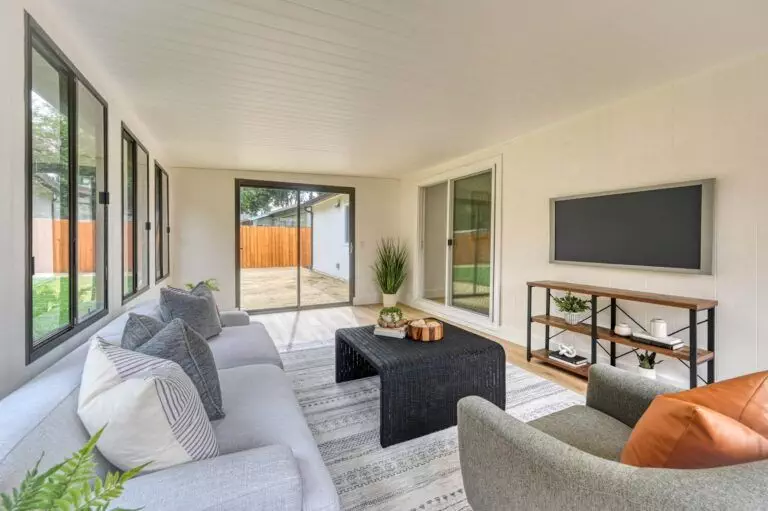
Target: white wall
329 248
714 124
53 19
203 232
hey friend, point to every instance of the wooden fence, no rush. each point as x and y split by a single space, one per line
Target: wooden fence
51 245
264 246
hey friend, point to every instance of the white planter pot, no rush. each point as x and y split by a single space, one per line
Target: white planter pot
388 300
572 318
647 373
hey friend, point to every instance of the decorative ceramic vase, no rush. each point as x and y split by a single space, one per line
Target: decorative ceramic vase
572 318
658 327
388 300
647 373
622 329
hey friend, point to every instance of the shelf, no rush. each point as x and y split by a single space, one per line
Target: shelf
606 335
543 356
683 302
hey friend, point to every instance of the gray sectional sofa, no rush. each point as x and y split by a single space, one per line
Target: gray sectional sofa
269 459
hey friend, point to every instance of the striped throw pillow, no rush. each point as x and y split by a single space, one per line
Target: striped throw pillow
151 409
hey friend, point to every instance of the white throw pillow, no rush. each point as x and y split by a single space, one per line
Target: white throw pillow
150 407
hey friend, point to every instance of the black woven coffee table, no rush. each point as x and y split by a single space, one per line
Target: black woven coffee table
421 382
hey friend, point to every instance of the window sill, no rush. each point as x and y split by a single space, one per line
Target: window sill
138 293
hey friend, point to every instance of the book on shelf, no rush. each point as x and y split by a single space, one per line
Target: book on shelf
671 343
396 333
577 361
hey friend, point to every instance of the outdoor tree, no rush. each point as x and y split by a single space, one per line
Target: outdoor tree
260 201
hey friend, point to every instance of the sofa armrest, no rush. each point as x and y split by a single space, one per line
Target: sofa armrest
263 478
508 464
622 395
234 318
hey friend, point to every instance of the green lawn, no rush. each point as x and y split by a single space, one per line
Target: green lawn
466 273
50 302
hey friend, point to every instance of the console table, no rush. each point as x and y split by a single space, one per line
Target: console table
691 356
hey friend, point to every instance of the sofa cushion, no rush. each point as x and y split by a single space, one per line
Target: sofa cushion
262 410
179 343
41 418
266 478
244 345
586 429
678 434
112 332
148 407
139 329
196 307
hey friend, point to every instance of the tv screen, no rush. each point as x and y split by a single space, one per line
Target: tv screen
666 227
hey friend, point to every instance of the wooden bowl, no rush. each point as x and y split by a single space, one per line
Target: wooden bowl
425 330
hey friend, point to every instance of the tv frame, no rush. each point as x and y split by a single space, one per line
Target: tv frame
707 227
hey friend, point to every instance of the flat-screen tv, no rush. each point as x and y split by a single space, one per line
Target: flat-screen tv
667 227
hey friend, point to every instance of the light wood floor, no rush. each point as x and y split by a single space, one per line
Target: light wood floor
292 330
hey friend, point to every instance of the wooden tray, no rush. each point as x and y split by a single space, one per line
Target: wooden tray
430 333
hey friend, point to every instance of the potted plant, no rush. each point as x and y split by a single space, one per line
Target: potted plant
390 269
211 284
572 307
647 361
391 317
72 484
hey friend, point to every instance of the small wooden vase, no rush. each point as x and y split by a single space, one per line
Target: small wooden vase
432 330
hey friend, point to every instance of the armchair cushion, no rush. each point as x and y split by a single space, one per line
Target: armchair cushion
744 399
678 434
576 426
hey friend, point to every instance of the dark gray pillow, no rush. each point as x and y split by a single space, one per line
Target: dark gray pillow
139 329
197 308
181 344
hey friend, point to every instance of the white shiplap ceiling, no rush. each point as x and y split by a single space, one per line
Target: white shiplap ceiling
381 87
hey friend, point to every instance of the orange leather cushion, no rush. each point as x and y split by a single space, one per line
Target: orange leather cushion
674 433
744 399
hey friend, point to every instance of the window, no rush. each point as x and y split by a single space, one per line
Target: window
162 229
66 125
136 225
458 241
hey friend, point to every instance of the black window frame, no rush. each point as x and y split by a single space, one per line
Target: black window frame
35 38
162 222
127 134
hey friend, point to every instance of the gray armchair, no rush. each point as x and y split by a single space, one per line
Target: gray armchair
569 459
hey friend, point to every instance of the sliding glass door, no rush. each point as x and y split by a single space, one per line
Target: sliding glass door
294 246
458 242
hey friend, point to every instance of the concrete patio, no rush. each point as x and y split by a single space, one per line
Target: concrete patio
272 288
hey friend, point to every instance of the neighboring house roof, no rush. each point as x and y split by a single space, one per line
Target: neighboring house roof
291 210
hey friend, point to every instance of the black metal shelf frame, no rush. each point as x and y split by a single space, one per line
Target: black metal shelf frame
693 323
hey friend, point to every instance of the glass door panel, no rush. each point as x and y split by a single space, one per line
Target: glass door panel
325 248
471 240
269 248
435 243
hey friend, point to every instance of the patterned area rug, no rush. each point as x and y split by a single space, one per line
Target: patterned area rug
421 474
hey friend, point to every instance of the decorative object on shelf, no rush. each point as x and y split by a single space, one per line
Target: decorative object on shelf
426 330
671 343
647 367
658 327
391 317
622 329
567 350
390 268
72 484
211 284
571 306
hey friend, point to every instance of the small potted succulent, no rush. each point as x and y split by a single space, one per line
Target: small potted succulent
647 364
572 307
391 317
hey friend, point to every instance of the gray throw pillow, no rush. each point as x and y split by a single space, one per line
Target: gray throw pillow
181 344
197 308
139 329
